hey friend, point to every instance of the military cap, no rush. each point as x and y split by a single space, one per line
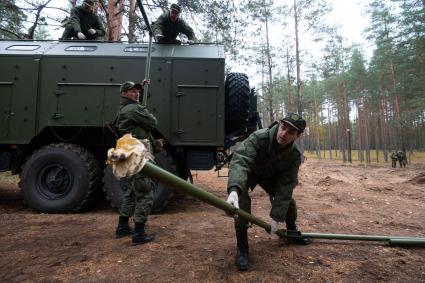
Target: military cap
129 85
89 3
296 121
176 8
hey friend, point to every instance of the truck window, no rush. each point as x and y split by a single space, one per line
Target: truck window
142 49
81 48
23 47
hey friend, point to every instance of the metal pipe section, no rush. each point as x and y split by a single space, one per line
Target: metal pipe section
179 184
145 17
355 237
148 58
407 242
147 73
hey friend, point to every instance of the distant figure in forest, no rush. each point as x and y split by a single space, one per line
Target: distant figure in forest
402 159
83 23
394 159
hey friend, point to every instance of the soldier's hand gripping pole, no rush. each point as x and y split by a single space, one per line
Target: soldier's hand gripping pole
148 58
127 162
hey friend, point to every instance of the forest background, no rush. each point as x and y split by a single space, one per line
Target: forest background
361 100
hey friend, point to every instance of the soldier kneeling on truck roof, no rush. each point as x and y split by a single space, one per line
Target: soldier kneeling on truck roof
84 23
169 25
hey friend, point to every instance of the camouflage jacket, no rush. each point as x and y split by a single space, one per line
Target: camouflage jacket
135 119
260 160
82 21
170 30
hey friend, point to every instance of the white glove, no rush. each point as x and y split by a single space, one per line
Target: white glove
81 35
274 226
159 36
92 31
189 41
233 199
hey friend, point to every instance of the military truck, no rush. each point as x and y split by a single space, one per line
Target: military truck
58 98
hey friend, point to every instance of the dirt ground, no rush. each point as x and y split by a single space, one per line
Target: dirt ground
195 242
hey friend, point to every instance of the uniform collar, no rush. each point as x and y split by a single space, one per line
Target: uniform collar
125 101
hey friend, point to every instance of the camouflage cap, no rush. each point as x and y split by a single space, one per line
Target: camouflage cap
296 121
89 3
129 85
176 8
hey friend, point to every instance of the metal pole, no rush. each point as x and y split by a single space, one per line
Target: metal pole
148 58
357 237
179 184
147 73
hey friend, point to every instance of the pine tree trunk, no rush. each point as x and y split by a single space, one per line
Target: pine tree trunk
269 64
115 15
297 59
132 18
289 107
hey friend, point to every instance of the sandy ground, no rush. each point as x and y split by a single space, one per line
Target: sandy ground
195 242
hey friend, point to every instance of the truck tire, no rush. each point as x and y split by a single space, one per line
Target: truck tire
60 178
115 189
237 100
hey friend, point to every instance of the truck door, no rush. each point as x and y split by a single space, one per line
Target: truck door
5 98
18 90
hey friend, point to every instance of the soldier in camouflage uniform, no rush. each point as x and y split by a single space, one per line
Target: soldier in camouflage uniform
394 159
270 158
168 26
136 120
402 159
84 23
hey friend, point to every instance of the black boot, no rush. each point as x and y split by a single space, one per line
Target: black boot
242 250
139 236
123 228
294 236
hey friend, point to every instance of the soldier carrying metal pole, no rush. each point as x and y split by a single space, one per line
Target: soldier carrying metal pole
148 59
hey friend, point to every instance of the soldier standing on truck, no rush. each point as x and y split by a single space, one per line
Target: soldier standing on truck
135 119
270 158
84 23
169 25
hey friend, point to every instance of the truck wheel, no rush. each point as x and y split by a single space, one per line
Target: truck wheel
60 178
237 100
115 189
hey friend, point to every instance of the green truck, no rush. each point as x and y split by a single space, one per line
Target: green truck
58 98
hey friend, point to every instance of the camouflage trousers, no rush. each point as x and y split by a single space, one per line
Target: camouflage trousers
138 198
285 209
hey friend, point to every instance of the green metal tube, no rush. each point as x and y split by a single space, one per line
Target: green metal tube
179 184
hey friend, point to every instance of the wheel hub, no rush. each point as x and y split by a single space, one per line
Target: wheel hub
54 181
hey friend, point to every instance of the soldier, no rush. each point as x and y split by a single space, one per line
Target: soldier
169 25
270 158
135 119
394 159
84 23
402 160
